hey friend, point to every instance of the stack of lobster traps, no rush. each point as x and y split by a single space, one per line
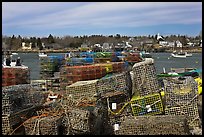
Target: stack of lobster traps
181 98
15 75
19 102
113 95
72 74
49 65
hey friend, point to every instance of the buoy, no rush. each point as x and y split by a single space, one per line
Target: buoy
162 93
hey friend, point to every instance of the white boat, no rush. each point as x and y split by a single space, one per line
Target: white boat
181 54
145 54
178 55
42 54
14 53
13 64
188 54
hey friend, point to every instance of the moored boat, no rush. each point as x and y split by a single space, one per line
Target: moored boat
42 54
178 55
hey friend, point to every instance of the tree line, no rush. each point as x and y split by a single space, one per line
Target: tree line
15 42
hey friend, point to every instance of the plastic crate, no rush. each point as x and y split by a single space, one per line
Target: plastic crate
147 105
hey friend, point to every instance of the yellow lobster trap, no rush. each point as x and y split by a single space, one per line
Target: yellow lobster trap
147 105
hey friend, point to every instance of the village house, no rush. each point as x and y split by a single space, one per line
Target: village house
178 44
26 46
84 45
167 43
201 43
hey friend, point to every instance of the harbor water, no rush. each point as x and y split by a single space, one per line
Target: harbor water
161 60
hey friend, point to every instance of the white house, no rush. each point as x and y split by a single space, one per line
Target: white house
159 37
201 43
163 43
171 44
84 45
190 44
178 44
26 46
127 45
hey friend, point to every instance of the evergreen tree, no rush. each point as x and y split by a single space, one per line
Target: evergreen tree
39 44
51 39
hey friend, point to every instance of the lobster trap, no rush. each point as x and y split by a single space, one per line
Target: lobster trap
151 125
15 76
45 125
180 91
82 90
114 105
78 121
144 78
147 105
116 82
19 97
190 111
72 74
9 122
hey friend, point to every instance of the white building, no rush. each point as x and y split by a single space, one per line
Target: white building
84 45
26 46
171 44
163 43
178 44
105 46
201 43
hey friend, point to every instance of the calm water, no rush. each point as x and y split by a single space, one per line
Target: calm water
161 60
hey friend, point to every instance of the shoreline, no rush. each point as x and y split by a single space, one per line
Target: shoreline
76 50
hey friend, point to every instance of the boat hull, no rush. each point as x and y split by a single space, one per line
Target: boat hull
178 56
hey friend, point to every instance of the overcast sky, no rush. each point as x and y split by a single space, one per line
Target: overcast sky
106 18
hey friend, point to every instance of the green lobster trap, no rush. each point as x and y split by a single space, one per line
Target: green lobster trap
147 105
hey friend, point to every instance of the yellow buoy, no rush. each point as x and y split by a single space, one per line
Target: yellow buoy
199 81
162 93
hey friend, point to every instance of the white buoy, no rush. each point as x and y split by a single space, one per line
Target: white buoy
164 70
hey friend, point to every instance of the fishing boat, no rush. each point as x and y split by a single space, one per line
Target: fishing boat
178 54
145 54
42 54
188 54
12 64
14 53
175 72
